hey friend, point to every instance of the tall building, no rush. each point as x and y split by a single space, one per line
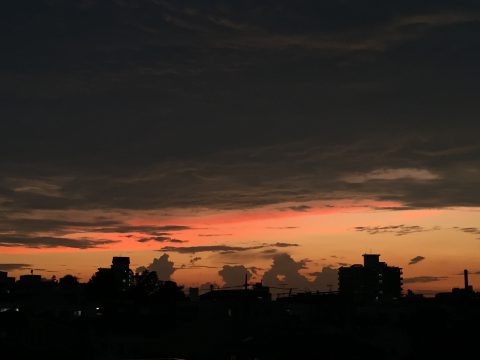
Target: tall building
374 280
118 277
121 270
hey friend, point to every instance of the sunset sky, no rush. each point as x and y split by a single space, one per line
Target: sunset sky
284 138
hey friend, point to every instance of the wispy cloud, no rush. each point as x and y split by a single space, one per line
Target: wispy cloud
14 266
224 249
469 230
213 235
393 174
297 208
424 279
282 227
161 239
39 242
398 230
416 260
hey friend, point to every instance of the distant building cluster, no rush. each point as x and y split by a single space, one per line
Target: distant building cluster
374 281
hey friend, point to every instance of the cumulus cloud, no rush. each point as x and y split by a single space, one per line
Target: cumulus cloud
325 280
162 266
416 260
234 276
284 271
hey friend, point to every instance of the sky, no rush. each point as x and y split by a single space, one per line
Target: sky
207 140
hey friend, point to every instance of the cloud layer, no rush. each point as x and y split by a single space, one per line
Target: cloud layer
231 105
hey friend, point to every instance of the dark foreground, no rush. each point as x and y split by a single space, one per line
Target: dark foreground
241 327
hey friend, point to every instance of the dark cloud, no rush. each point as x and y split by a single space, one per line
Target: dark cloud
269 251
416 260
162 266
161 239
282 245
208 248
145 229
234 276
398 230
40 232
155 238
325 280
223 249
469 230
423 279
298 208
284 271
51 242
186 267
52 225
12 266
194 259
177 241
213 235
324 101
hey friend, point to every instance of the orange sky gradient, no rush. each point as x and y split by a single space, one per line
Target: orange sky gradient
326 235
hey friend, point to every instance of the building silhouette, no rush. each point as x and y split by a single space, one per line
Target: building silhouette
374 280
118 278
6 282
30 279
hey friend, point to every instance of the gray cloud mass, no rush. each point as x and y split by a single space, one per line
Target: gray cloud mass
232 105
